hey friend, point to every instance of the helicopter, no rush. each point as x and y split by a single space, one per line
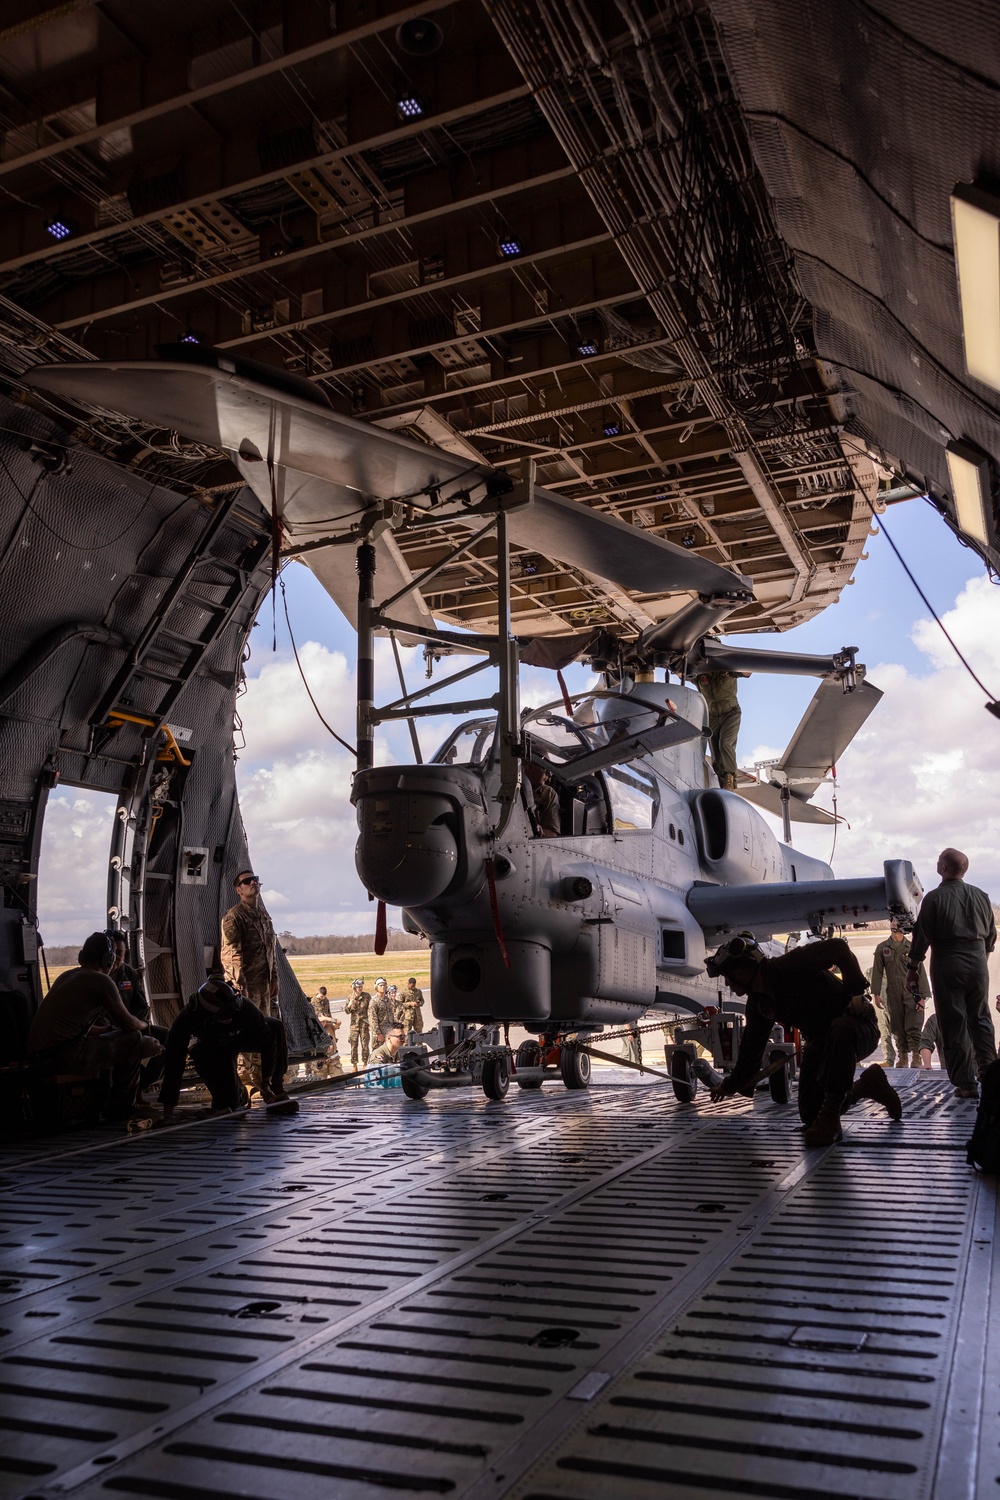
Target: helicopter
612 912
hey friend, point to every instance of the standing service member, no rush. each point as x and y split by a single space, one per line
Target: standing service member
956 923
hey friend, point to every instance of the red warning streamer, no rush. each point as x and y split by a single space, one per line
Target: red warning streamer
381 932
491 881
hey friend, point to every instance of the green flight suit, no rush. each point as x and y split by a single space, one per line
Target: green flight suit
956 923
719 692
889 974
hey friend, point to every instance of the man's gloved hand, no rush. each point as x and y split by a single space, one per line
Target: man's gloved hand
725 1090
149 1047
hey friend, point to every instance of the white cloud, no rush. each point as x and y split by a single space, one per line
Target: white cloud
73 868
922 774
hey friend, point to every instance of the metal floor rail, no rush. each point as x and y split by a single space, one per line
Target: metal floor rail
572 1295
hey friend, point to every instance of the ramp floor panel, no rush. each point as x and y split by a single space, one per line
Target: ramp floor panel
567 1294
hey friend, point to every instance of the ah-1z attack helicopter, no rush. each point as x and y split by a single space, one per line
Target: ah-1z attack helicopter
612 915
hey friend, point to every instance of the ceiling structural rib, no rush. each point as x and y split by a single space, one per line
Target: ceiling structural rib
509 254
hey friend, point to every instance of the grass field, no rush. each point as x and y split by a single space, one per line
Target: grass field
336 970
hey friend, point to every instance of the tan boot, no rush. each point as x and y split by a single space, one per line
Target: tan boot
873 1084
915 1061
825 1129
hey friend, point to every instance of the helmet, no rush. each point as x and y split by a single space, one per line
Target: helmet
357 984
744 949
219 997
381 982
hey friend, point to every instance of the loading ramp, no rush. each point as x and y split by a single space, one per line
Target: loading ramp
562 1297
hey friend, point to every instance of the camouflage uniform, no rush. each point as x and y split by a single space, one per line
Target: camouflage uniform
889 973
380 1013
357 1008
409 1010
249 960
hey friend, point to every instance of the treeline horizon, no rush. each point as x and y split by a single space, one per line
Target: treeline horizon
63 954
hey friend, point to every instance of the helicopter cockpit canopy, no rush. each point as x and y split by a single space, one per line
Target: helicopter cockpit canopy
615 798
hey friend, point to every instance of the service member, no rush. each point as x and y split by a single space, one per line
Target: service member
724 715
380 1013
356 1006
388 1051
409 1007
215 1026
905 1011
836 1020
956 923
249 951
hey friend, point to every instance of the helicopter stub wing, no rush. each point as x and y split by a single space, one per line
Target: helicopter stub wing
217 405
781 906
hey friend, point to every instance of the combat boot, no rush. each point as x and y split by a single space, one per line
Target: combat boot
873 1084
915 1061
825 1129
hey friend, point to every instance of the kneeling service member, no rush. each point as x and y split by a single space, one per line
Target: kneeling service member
216 1025
837 1022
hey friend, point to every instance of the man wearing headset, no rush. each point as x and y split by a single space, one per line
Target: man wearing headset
70 1031
837 1022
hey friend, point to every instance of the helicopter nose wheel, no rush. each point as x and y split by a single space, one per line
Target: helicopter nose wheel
528 1055
574 1066
682 1077
778 1082
496 1076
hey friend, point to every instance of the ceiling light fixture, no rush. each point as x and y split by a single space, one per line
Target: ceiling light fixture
587 347
611 429
976 224
509 245
971 488
409 107
190 337
59 229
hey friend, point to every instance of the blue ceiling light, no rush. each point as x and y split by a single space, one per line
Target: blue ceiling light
59 229
588 346
509 245
611 429
409 107
190 337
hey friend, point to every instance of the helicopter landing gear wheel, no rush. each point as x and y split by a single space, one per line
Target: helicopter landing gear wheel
528 1055
496 1077
682 1077
778 1082
574 1066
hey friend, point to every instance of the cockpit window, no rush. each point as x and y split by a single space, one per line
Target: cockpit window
555 738
635 799
468 745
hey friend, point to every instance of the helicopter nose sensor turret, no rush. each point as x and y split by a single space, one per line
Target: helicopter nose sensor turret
423 833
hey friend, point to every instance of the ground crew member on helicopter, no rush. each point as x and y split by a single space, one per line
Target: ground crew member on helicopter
409 1007
724 714
905 1011
380 1013
356 1006
956 923
249 951
834 1016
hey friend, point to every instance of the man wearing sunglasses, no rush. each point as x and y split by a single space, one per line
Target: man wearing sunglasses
249 959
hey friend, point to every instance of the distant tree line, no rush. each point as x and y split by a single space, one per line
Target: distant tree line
340 942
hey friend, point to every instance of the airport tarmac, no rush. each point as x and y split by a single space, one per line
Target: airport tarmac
572 1295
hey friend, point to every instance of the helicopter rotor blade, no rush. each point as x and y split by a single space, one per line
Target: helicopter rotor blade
225 403
825 730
